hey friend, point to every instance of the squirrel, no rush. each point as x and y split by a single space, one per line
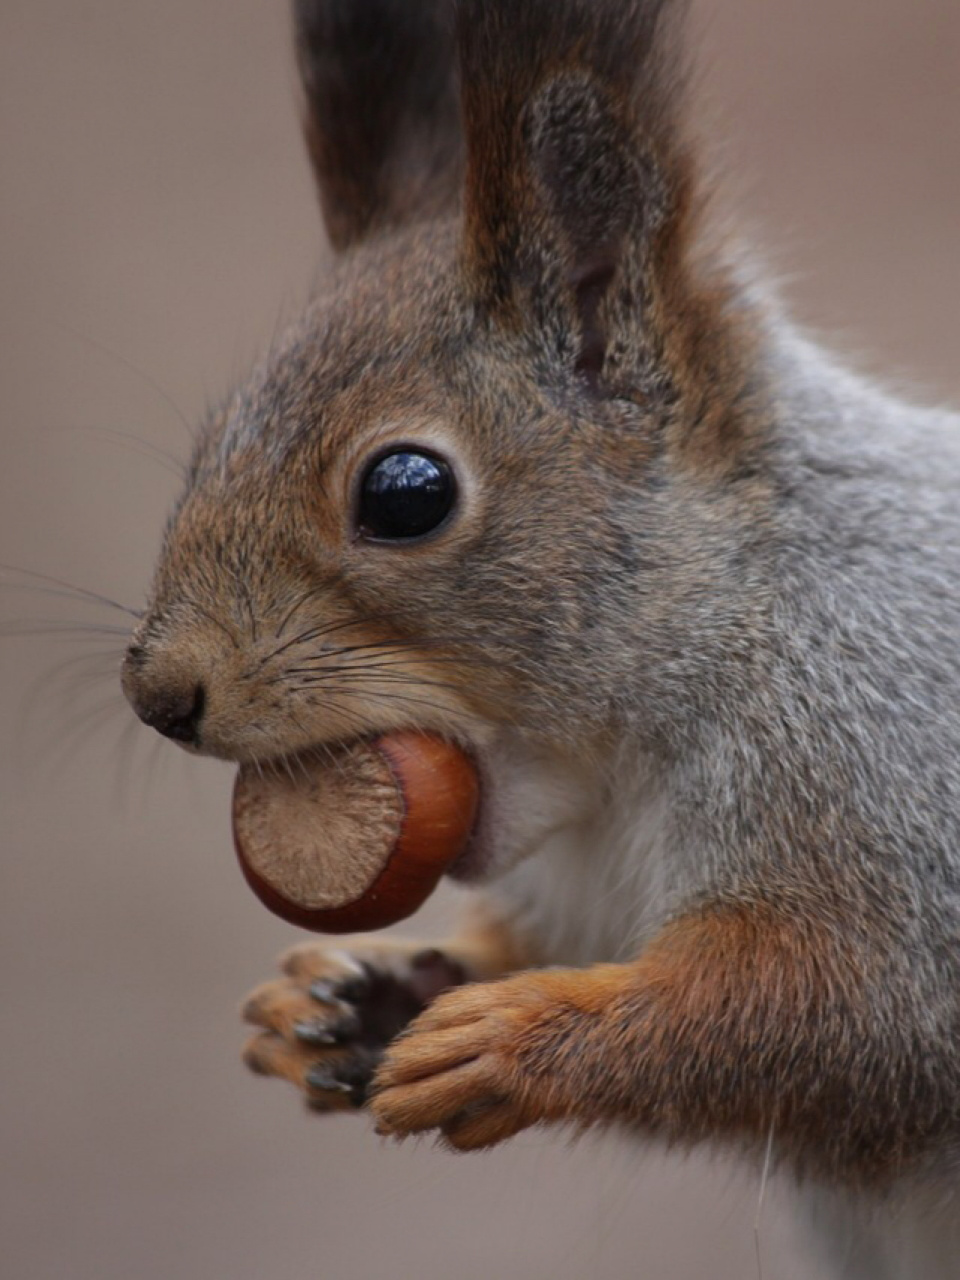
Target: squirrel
544 470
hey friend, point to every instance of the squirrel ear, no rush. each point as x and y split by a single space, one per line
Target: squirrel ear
574 160
381 111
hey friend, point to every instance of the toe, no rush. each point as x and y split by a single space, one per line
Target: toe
310 960
475 1130
331 1082
422 1054
268 1054
460 1006
429 1104
278 1006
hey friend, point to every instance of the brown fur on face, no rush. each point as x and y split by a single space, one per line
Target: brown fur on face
508 342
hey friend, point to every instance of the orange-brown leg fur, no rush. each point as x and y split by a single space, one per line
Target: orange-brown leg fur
736 1021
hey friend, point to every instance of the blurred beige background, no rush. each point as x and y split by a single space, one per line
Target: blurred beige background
156 219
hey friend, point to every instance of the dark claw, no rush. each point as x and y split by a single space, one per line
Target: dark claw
314 1033
324 1079
319 1031
353 988
345 1078
324 991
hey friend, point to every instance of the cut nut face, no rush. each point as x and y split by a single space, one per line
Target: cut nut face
355 838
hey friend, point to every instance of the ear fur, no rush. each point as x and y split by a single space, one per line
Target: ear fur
574 159
381 111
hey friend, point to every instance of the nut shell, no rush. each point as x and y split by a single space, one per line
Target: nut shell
356 839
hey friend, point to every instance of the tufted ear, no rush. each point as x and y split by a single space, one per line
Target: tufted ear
576 171
381 111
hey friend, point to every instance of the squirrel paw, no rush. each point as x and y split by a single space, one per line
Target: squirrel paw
466 1067
325 1025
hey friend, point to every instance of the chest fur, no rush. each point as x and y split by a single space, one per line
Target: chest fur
593 893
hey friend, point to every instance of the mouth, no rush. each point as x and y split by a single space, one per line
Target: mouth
357 836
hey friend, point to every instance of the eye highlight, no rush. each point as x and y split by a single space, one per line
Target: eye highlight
405 495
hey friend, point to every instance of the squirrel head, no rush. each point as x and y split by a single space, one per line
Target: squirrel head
486 482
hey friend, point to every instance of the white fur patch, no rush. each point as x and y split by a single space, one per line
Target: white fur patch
579 860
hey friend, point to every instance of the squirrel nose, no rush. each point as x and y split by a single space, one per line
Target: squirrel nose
176 715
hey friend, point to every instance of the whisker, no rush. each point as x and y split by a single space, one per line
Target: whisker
82 726
310 594
383 649
99 666
49 683
300 761
298 604
315 632
435 651
375 662
244 588
126 744
358 675
355 724
65 588
375 653
416 642
92 715
134 369
288 768
52 627
210 617
167 460
381 696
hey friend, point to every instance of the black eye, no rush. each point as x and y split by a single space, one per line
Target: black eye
406 495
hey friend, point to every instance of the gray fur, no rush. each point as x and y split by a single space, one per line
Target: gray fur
702 603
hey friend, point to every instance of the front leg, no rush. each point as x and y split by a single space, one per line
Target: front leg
737 1022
